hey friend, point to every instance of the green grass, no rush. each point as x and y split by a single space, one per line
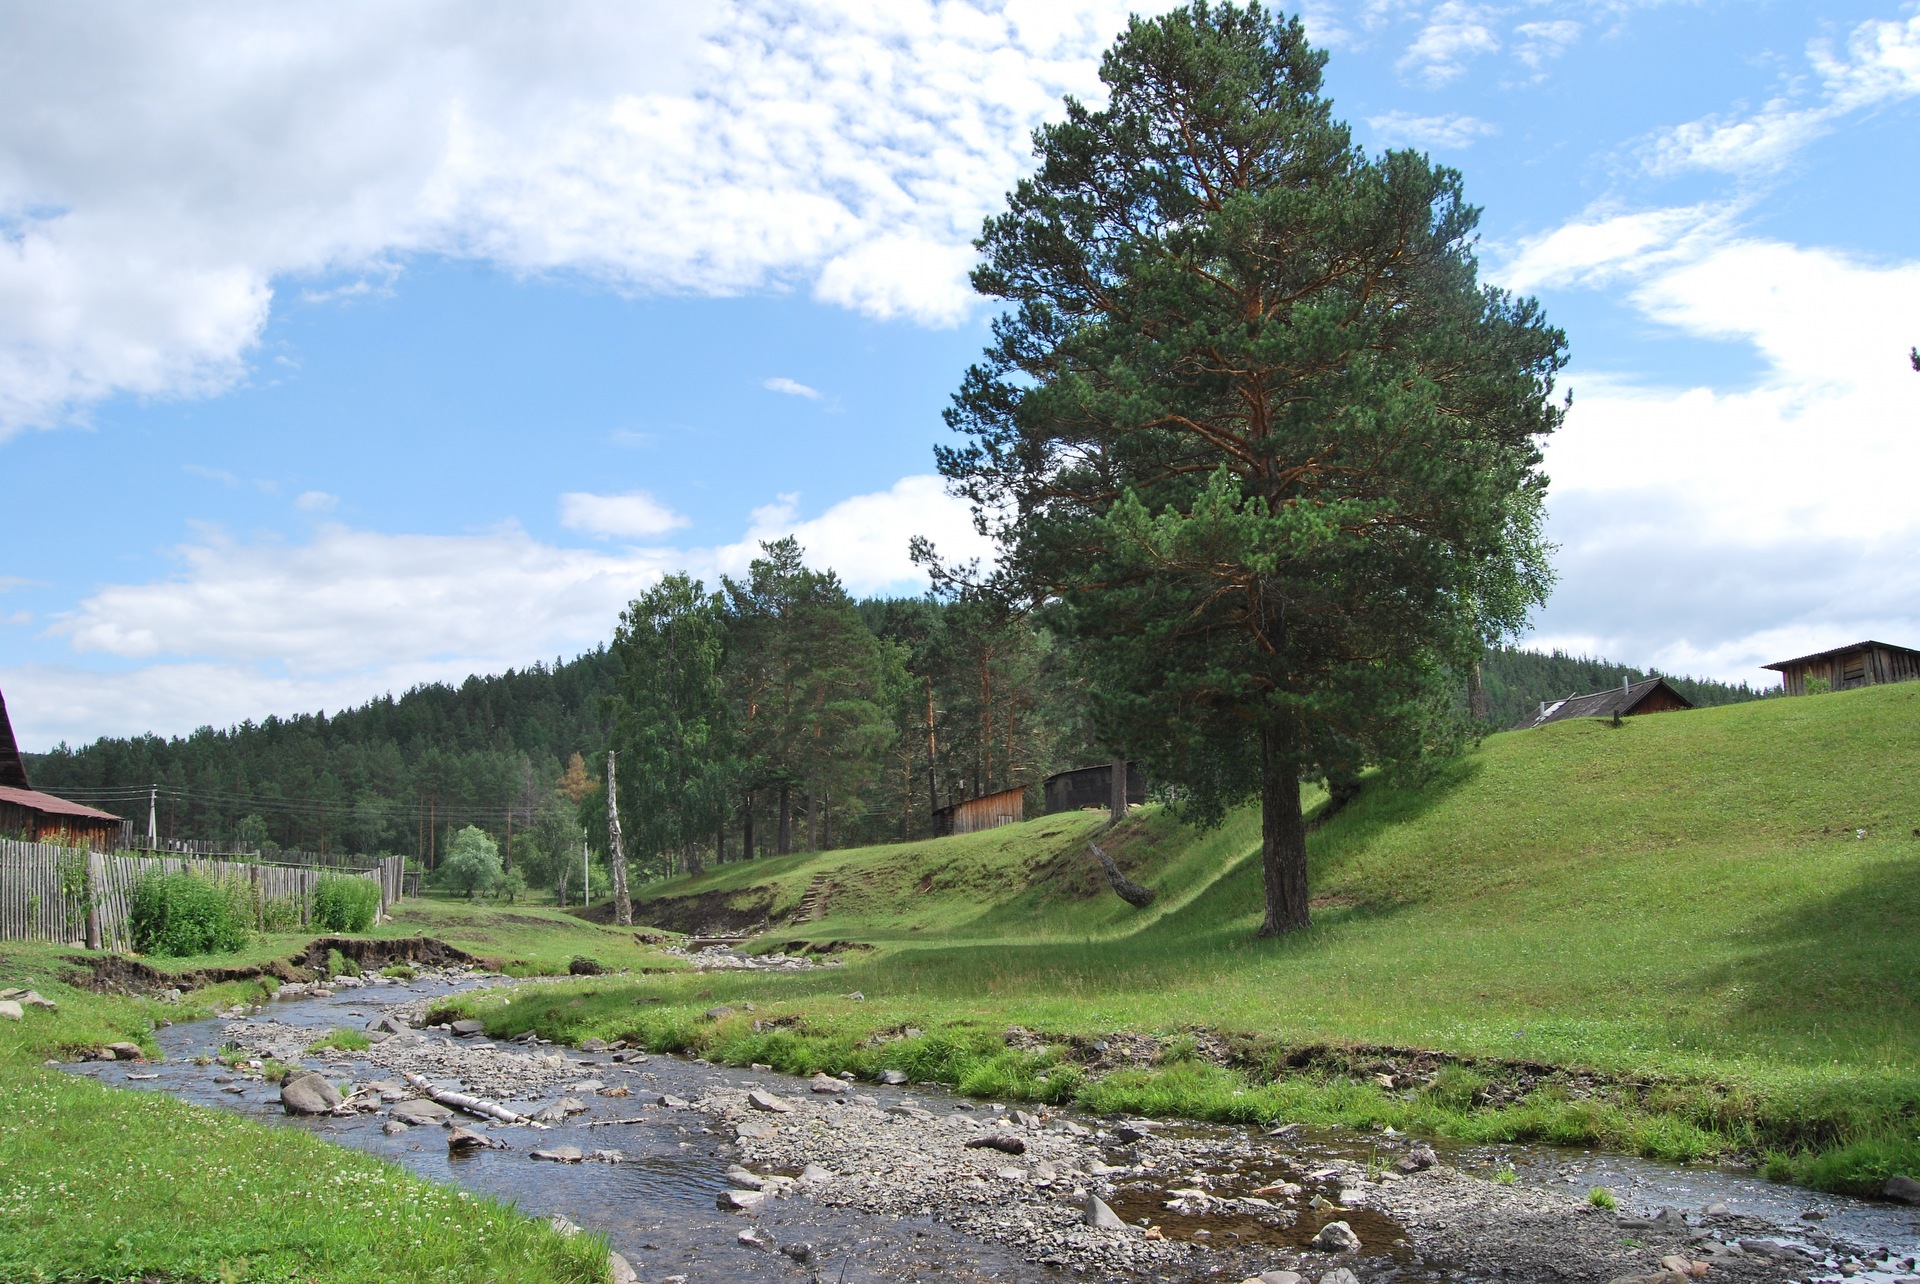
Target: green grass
1680 909
101 1184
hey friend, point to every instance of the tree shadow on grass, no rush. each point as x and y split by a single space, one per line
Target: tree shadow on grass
1837 977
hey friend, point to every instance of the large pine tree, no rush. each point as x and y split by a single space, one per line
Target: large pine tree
1250 425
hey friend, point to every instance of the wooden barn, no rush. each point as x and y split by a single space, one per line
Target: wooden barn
1864 664
989 811
1628 700
27 814
1091 788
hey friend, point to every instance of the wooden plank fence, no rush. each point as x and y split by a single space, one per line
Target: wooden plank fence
36 904
133 838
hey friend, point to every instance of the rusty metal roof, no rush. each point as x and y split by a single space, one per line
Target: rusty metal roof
1783 665
34 800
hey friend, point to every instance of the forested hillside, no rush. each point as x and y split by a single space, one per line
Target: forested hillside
827 722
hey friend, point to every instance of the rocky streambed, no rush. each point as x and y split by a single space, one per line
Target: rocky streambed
704 1172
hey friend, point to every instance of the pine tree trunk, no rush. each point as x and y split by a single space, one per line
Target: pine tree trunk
616 854
1283 836
1117 791
784 841
1476 695
747 849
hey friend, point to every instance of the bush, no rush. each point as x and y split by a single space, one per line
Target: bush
343 903
472 864
279 914
184 913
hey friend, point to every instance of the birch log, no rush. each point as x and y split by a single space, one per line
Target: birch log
472 1105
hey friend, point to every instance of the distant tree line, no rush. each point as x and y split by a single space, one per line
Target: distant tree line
1516 681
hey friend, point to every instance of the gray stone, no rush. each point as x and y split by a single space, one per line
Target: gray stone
34 999
468 1027
1419 1158
465 1139
1096 1214
1287 1277
672 1102
1339 1275
124 1052
742 1179
768 1102
622 1270
11 1010
587 1085
393 1128
1004 1142
563 1226
755 1130
1904 1189
421 1112
740 1200
910 1112
815 1175
560 1154
560 1109
1026 1120
894 1077
718 1011
593 1045
801 1253
1336 1237
309 1093
388 1025
828 1086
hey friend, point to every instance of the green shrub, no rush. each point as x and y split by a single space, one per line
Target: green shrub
279 914
1601 1197
399 972
184 913
343 903
342 1038
339 964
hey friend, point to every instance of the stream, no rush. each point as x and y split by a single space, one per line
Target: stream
657 1204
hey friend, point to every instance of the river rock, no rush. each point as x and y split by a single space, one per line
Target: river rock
1904 1189
740 1201
560 1154
1289 1277
123 1052
420 1111
1419 1158
915 1113
1096 1214
743 1179
560 1109
1004 1142
1338 1275
389 1025
1663 1277
35 999
767 1101
1336 1237
622 1270
828 1086
893 1077
462 1140
393 1128
309 1093
815 1175
718 1011
11 1010
593 1045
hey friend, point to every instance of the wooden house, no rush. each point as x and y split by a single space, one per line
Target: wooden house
1864 664
1628 700
1091 787
26 813
990 811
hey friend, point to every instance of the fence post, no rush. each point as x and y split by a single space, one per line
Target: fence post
91 890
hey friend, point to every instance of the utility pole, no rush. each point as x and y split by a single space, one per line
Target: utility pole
586 873
617 855
153 819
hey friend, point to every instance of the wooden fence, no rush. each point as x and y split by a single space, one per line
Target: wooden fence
44 896
133 838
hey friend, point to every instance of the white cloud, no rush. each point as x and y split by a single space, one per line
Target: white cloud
1456 32
635 515
791 387
1400 129
1538 43
249 628
316 501
1881 65
160 175
1717 528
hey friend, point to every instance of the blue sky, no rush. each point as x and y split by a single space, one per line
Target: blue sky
343 348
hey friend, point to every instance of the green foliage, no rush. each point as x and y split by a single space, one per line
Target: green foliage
1601 1197
339 964
398 972
342 1038
185 913
510 886
345 903
279 914
472 864
1817 685
77 893
1251 425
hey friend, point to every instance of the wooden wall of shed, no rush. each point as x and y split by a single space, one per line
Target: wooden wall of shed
1659 700
990 812
1862 667
34 826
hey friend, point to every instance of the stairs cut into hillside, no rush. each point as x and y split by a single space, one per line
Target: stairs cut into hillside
813 905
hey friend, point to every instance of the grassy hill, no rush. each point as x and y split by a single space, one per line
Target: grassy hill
1692 934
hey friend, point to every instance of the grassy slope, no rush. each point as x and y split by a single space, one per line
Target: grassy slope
200 1195
1681 898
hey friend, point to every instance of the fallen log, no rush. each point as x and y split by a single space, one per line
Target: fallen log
615 1123
472 1105
1125 888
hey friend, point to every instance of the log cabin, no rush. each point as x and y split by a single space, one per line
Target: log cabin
1864 664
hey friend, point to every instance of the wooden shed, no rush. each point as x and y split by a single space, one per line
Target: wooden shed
1091 787
34 817
1628 700
1864 664
989 811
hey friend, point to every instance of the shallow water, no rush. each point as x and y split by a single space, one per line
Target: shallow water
657 1207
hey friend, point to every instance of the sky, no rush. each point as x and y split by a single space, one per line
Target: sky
348 346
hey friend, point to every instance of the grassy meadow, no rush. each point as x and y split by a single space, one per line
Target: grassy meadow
1709 922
